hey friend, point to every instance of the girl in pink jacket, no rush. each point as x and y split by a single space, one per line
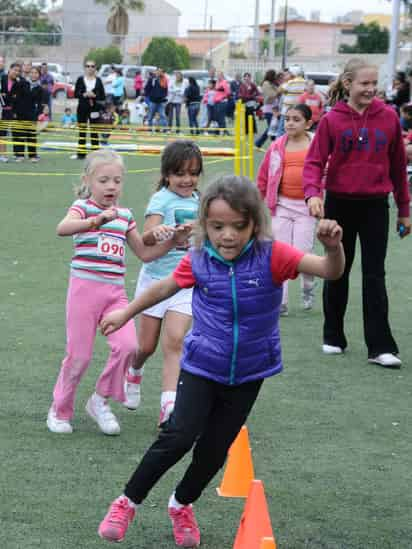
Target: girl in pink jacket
280 183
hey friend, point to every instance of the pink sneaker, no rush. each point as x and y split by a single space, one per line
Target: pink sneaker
116 522
185 528
165 412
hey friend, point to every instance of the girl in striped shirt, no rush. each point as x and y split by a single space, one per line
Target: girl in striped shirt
100 230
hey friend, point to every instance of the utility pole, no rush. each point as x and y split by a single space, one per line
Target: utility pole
285 37
256 48
272 33
205 16
393 42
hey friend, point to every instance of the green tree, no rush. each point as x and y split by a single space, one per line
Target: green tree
101 56
166 53
118 22
290 48
370 38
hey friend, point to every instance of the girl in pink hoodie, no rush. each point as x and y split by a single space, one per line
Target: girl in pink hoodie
280 184
360 140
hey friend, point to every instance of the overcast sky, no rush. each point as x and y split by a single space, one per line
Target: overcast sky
230 13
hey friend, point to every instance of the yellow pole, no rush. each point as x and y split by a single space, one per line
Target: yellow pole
243 136
237 139
251 148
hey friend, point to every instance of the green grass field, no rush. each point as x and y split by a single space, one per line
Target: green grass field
330 437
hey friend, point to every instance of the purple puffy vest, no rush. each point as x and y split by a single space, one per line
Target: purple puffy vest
235 334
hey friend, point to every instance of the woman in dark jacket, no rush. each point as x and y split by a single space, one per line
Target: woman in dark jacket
39 98
402 90
89 90
192 99
155 92
15 92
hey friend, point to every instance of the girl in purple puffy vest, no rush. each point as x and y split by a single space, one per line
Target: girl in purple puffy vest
236 273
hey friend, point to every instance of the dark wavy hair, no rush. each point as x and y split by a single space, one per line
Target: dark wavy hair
175 156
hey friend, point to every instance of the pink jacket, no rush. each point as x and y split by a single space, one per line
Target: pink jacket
222 91
271 170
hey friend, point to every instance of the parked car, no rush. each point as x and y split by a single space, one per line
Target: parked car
129 73
322 80
56 71
62 90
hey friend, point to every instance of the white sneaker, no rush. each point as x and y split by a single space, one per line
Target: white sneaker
4 159
132 391
307 299
57 425
74 157
284 311
388 360
101 413
332 349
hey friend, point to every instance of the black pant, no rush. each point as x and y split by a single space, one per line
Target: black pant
85 123
250 111
370 220
207 414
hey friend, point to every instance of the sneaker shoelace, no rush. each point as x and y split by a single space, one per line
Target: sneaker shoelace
185 519
119 513
105 411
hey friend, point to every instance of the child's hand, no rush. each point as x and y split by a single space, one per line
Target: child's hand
183 233
113 321
106 215
163 232
403 226
315 205
329 233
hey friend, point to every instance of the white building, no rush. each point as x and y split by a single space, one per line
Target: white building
84 24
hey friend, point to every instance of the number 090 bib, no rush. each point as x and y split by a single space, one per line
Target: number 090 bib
110 246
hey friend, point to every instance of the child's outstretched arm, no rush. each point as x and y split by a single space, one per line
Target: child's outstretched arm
332 264
73 223
163 236
156 293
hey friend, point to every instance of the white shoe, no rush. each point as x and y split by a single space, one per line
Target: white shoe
332 349
74 157
101 413
132 392
4 159
284 311
57 425
19 159
388 360
307 299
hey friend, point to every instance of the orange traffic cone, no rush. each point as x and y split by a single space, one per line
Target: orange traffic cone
239 471
255 522
267 543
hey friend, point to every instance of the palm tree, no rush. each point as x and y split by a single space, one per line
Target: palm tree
118 22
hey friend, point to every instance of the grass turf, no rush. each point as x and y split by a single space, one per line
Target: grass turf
330 437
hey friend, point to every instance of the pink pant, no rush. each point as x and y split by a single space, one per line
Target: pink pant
293 224
87 302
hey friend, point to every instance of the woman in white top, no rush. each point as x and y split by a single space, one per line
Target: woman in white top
175 99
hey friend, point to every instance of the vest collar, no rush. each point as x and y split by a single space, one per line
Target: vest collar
212 252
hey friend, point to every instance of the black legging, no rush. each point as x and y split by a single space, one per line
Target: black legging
86 123
208 415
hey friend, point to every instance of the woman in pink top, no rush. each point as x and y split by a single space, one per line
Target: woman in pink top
138 83
314 101
221 100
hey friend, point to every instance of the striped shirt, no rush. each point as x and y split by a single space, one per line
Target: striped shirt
292 90
99 254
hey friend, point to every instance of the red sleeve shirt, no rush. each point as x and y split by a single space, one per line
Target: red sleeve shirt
283 265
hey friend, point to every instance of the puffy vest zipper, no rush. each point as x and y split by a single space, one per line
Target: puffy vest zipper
235 326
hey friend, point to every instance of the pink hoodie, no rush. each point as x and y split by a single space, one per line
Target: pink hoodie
365 155
271 170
